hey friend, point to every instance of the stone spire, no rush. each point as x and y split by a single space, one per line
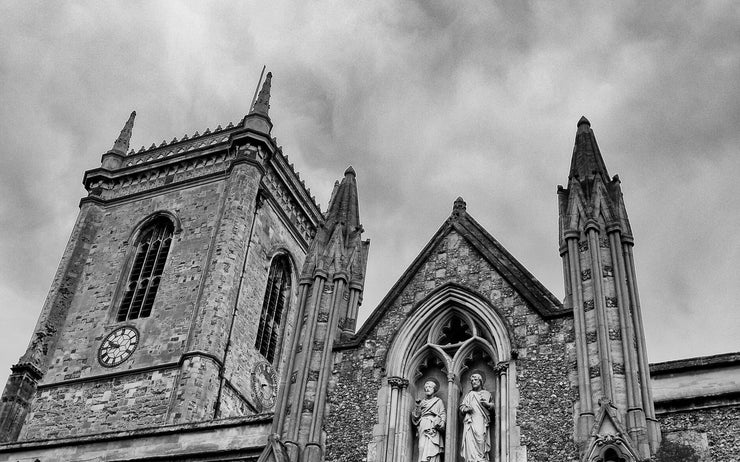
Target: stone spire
121 144
113 159
258 118
587 158
262 105
343 208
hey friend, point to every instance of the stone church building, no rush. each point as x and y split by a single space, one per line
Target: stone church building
205 309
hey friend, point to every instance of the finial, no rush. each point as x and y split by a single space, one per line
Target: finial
459 206
121 144
262 105
583 125
350 171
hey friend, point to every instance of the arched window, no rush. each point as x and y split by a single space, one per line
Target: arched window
146 270
274 305
450 337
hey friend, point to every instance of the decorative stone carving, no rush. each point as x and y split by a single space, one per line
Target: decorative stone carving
398 382
429 417
476 409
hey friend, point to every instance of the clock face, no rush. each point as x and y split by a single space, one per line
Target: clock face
264 385
118 346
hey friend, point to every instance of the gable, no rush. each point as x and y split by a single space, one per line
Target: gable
461 228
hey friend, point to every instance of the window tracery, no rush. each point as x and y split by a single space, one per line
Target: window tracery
145 275
274 304
449 338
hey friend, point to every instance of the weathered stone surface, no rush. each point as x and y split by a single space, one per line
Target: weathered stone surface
546 392
718 427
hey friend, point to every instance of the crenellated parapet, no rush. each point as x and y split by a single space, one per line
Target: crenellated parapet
203 158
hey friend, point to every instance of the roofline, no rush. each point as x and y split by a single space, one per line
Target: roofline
696 363
552 309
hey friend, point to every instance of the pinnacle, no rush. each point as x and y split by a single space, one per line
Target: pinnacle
586 160
122 142
459 204
262 105
350 171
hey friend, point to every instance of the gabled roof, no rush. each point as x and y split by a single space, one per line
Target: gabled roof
536 295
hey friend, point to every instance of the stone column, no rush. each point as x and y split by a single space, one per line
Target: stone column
282 404
636 424
502 432
303 363
605 361
397 385
453 391
586 416
653 426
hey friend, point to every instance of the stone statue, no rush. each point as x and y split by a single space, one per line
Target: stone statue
476 409
429 417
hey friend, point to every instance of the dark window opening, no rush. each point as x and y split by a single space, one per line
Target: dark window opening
146 271
273 306
454 331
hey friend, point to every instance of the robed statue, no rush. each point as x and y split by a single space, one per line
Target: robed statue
476 409
429 418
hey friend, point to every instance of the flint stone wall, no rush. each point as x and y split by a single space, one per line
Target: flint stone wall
713 434
545 366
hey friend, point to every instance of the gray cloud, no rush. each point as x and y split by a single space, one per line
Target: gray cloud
428 101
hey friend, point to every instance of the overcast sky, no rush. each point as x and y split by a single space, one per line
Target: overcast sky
428 101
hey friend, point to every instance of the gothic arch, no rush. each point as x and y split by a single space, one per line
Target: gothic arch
280 251
463 331
159 219
149 219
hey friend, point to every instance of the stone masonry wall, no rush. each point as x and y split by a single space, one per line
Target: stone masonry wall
270 237
716 431
93 309
92 314
120 403
545 366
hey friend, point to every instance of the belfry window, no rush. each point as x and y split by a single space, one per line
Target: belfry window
273 307
146 271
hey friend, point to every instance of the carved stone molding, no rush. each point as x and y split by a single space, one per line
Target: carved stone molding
398 382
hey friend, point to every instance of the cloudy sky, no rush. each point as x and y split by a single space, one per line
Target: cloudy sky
428 100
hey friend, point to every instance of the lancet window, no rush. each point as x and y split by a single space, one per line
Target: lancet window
274 305
146 270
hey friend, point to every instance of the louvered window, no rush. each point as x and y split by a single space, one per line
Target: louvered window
273 307
146 271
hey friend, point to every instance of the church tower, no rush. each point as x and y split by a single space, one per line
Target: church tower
177 296
615 409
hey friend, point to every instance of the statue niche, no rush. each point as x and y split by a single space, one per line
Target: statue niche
477 409
452 357
429 415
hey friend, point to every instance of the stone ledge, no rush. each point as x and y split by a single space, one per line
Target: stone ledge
701 362
171 442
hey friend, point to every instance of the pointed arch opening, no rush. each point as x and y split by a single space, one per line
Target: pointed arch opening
152 246
274 306
451 336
